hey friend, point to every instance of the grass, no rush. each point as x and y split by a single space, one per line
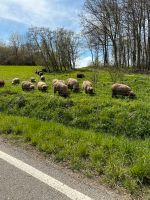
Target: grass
98 135
118 160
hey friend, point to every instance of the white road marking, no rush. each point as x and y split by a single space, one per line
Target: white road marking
57 185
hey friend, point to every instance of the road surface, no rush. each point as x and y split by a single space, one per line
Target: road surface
26 174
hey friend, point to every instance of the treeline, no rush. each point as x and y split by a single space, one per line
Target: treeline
56 50
118 31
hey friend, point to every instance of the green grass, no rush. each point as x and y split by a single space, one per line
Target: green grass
98 135
100 113
116 159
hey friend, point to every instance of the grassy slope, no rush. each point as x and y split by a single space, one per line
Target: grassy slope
119 159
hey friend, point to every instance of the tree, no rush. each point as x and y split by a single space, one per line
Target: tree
122 30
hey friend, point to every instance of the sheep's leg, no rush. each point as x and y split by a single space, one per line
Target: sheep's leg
55 91
114 95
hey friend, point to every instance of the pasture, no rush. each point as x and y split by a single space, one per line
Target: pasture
98 135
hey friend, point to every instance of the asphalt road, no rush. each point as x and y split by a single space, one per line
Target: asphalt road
16 184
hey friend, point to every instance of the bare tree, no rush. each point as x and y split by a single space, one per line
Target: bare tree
122 29
58 49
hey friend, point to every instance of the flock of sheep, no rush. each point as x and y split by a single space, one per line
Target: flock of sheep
63 87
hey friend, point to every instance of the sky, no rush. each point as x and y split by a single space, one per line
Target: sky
19 15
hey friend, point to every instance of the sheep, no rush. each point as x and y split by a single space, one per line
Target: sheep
42 86
60 87
2 83
87 87
39 72
80 75
42 78
122 89
32 79
27 85
55 80
16 81
73 84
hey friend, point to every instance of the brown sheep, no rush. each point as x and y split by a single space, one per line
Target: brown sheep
27 85
122 89
2 83
55 80
87 87
60 87
16 81
42 78
42 86
73 84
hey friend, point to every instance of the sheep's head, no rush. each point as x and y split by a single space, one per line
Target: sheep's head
42 78
31 87
44 87
40 73
132 95
76 87
90 90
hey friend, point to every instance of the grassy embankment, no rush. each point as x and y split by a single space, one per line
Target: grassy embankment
116 145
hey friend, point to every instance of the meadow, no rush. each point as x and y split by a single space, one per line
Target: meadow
99 135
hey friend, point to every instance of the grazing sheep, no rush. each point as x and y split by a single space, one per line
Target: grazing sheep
32 80
87 87
80 75
16 81
73 84
2 83
122 89
42 78
42 86
27 85
55 80
60 87
39 72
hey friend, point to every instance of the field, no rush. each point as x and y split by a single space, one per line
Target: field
98 135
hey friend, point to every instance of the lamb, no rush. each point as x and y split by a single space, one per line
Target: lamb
27 85
42 86
60 87
122 89
42 78
73 84
16 81
87 87
2 83
80 75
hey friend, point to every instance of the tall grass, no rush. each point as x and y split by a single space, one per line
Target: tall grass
117 160
98 135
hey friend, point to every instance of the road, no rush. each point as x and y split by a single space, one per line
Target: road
26 174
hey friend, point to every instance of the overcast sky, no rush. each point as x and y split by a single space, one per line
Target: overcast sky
18 15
